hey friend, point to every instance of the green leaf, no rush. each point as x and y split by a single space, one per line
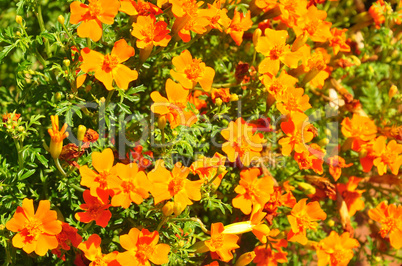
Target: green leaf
27 174
6 50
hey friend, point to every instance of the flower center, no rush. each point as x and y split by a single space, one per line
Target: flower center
217 241
101 178
143 253
128 187
317 61
387 226
109 63
176 185
95 8
194 70
276 51
31 230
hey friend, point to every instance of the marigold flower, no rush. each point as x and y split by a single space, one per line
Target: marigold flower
266 5
57 136
311 158
304 217
131 186
241 142
360 128
298 134
96 208
92 16
315 65
216 16
109 68
191 71
223 94
338 41
351 195
278 199
222 244
313 25
387 155
150 33
293 100
276 86
252 191
390 217
291 10
377 11
240 23
36 230
336 250
93 252
142 247
139 8
67 237
103 164
173 107
265 256
336 163
207 168
167 185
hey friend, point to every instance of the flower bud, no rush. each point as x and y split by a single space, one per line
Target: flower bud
221 169
60 19
392 91
167 210
323 142
238 228
256 35
57 97
218 101
234 97
308 188
81 132
162 122
66 62
18 33
18 19
102 100
331 223
245 259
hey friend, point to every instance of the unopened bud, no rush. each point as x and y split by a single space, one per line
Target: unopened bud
363 153
81 132
18 19
234 97
256 35
331 223
218 101
102 100
221 169
245 259
167 210
323 142
21 128
18 33
57 97
66 62
392 91
308 188
60 19
162 122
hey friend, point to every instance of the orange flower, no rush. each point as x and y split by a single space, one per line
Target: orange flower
68 236
278 200
252 191
377 11
293 100
36 231
298 134
390 216
191 71
167 185
387 155
241 142
265 256
315 65
240 24
173 108
336 250
311 158
336 163
132 186
312 24
150 33
57 136
139 7
92 16
277 86
222 244
291 10
108 68
142 247
273 46
266 5
223 94
351 196
96 209
207 168
360 128
304 217
216 16
93 252
338 41
103 163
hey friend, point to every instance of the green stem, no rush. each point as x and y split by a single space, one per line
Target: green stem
89 43
58 166
164 220
40 58
193 219
42 28
77 188
20 159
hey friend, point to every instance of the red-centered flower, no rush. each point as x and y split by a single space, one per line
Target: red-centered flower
240 24
336 163
93 252
109 68
36 230
360 128
67 237
92 16
96 208
351 195
139 8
